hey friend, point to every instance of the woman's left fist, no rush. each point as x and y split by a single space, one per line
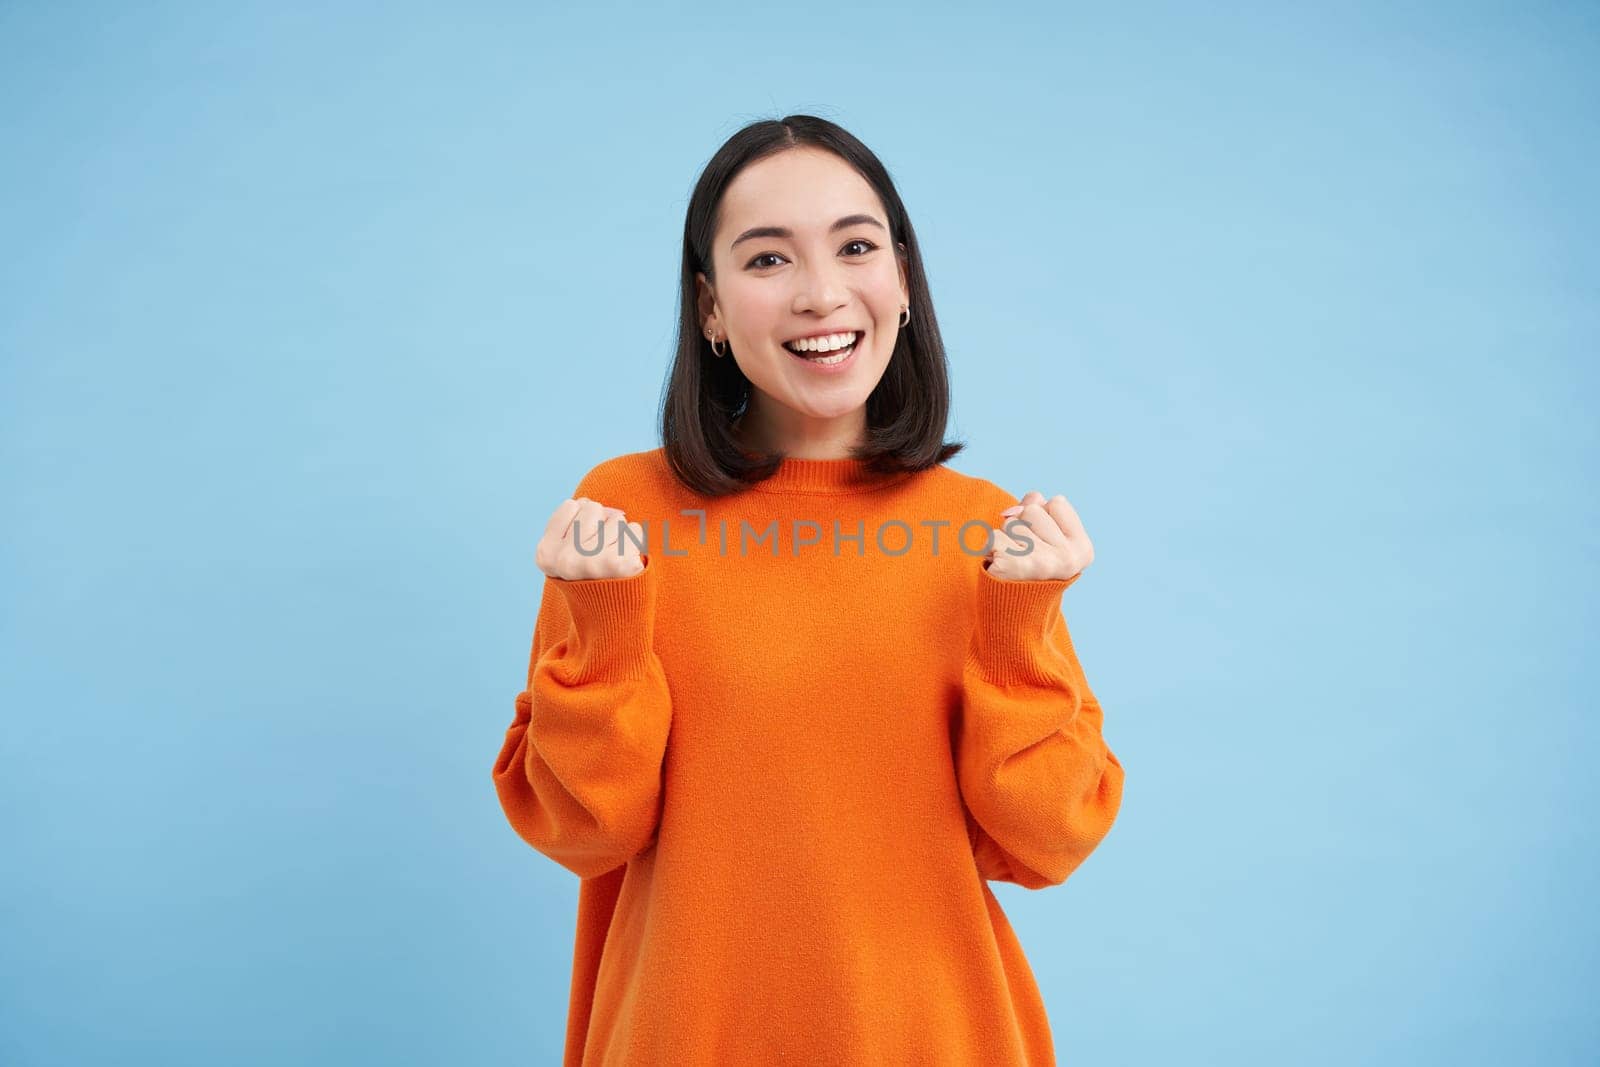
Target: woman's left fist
1060 547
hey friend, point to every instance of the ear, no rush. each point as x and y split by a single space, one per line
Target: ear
900 265
705 301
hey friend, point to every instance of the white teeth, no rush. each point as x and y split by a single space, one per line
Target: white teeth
828 360
821 344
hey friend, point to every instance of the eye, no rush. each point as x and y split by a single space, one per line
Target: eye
757 264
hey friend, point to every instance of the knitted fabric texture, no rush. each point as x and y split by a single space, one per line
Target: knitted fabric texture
786 759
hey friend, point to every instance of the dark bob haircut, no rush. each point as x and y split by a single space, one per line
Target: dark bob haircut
907 411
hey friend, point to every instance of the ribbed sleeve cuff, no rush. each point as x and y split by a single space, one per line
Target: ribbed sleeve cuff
1009 644
613 623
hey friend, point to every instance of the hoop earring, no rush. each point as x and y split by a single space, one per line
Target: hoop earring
906 311
718 352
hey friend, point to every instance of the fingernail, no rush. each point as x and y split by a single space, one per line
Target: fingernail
1012 510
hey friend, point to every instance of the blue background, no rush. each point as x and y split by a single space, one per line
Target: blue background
309 320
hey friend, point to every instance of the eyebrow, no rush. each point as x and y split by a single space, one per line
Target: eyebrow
780 231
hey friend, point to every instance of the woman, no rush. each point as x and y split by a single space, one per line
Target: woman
785 774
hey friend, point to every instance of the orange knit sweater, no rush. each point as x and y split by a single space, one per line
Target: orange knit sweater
784 767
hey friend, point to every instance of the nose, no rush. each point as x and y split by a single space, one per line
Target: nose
821 290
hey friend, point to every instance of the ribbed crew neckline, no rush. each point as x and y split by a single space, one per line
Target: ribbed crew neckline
827 476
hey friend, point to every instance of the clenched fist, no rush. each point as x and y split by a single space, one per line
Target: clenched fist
1061 548
588 521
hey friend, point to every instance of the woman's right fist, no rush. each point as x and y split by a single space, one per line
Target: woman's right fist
558 555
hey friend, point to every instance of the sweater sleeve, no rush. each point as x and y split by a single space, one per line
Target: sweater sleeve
579 774
1041 785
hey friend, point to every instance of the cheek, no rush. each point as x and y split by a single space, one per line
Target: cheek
753 310
883 293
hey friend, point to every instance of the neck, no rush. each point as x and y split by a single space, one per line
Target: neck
800 436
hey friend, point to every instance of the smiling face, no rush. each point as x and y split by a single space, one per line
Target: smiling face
803 248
